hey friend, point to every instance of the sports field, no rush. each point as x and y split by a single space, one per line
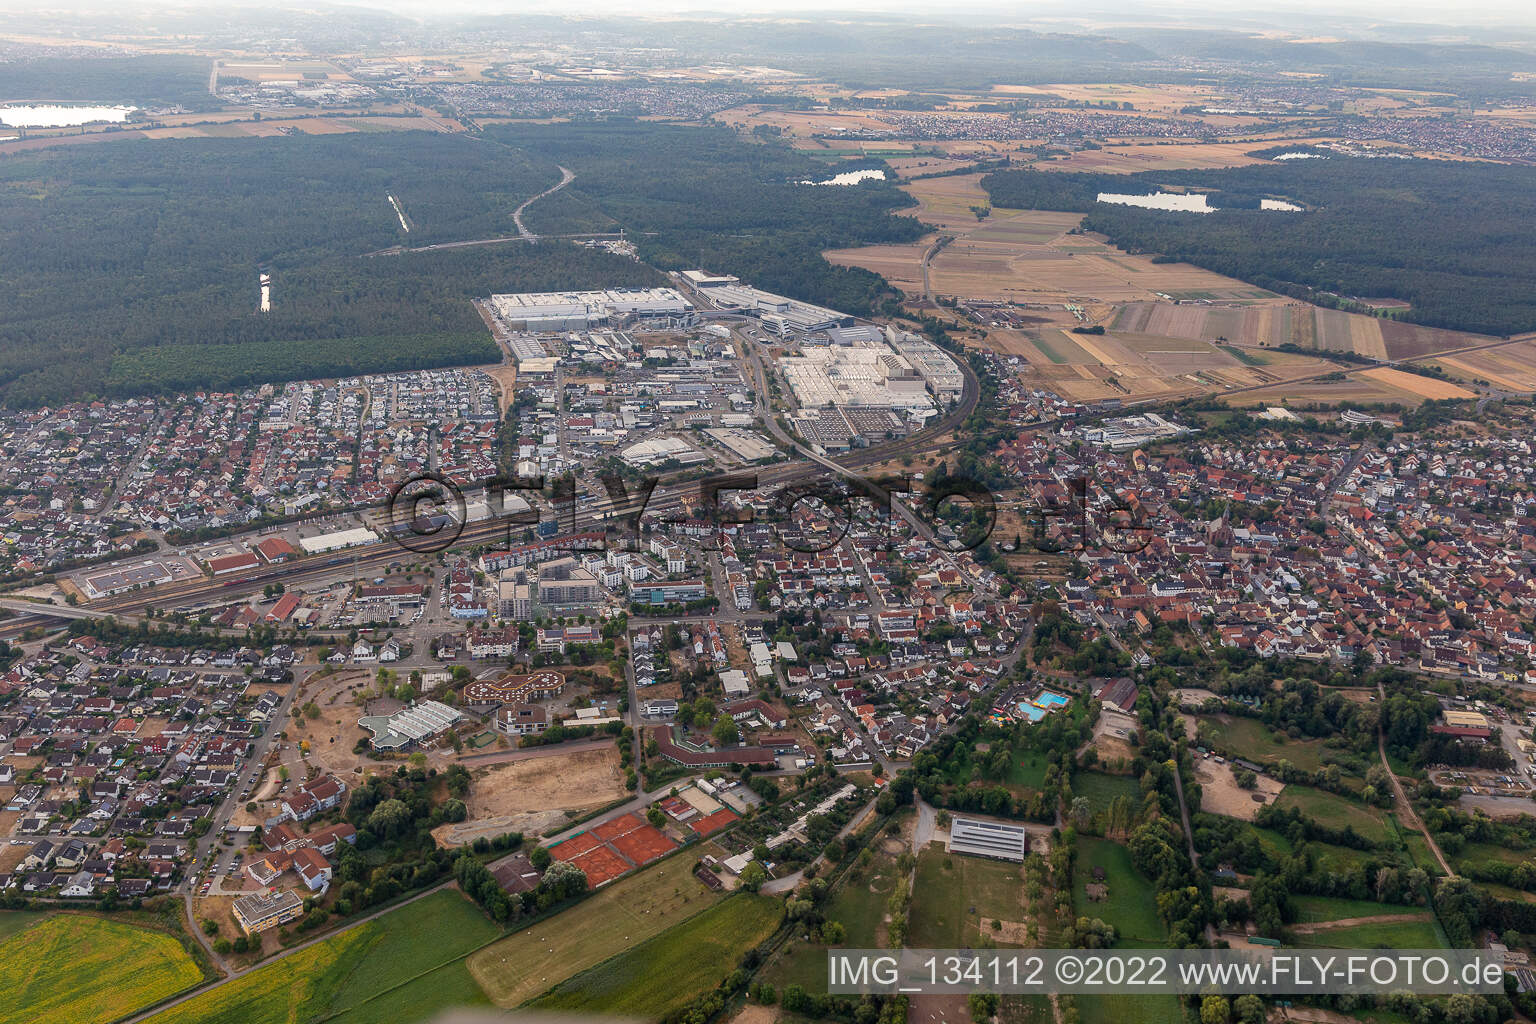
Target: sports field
404 966
663 974
66 968
537 958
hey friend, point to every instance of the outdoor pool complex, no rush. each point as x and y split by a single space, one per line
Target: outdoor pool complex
1042 705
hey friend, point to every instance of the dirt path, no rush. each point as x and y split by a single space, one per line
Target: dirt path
1405 809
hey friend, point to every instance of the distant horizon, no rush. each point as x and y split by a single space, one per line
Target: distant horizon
1435 22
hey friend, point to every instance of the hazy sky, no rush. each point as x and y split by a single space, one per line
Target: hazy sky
1425 11
1294 17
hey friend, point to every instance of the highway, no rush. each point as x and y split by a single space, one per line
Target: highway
566 177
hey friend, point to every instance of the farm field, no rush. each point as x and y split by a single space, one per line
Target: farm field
1129 366
1287 322
383 964
1327 393
537 958
1335 811
954 898
1026 256
1133 157
1417 384
1130 907
77 967
663 974
1511 367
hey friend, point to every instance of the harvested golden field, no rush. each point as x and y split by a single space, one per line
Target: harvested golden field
1289 322
901 265
1413 383
1131 367
1128 159
1351 390
803 123
282 71
1511 367
1147 99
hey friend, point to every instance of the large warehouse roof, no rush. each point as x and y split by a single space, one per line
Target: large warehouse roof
988 839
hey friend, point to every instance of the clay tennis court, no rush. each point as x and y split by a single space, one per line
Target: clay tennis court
710 824
643 845
613 848
575 846
611 830
601 865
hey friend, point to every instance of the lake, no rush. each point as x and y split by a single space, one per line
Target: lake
54 116
851 177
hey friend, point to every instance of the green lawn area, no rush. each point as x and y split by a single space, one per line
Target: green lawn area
1505 892
1418 847
407 965
1472 853
1312 909
1131 908
663 974
620 916
1130 1009
1028 769
1335 811
1396 935
1338 858
1100 789
955 898
1251 739
65 968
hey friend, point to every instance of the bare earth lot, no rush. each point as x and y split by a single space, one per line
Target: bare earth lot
533 795
1220 793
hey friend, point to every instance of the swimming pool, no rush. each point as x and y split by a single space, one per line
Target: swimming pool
1051 701
1031 712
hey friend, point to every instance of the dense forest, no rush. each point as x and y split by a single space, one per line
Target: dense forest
156 80
189 367
700 197
162 245
1446 237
